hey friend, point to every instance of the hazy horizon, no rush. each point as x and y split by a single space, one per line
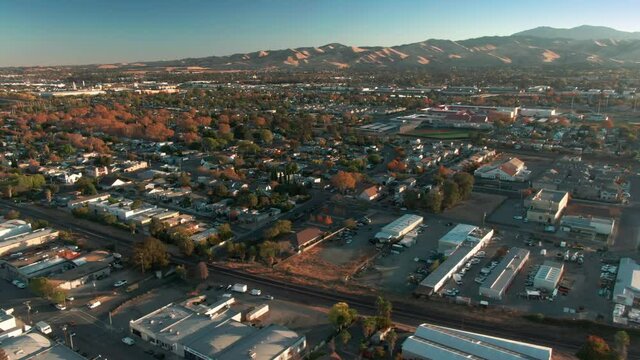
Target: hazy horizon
73 32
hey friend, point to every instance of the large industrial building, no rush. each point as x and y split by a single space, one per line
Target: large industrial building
436 342
627 289
15 227
548 276
399 227
498 282
23 241
452 240
546 206
588 226
469 243
199 332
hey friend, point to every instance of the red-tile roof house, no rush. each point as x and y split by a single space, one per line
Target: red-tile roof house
307 237
370 193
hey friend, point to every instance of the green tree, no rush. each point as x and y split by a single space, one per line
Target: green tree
369 325
384 308
451 194
433 200
136 204
622 343
150 253
465 183
268 251
266 136
185 244
411 199
156 227
224 232
181 271
392 338
345 336
341 315
374 159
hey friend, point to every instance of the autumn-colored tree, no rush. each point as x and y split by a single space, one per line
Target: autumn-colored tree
344 181
202 271
328 220
595 349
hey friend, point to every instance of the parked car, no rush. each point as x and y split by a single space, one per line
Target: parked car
60 306
256 292
120 283
129 341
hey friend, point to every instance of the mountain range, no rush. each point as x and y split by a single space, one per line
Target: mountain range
580 46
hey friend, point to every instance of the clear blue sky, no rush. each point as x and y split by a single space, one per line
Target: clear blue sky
47 32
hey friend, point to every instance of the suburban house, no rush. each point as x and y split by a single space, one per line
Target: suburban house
307 237
511 170
371 193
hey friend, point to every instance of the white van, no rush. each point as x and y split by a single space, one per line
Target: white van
94 304
43 327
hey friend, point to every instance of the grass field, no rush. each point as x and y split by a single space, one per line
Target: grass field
443 134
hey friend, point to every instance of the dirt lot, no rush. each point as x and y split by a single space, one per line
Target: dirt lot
473 209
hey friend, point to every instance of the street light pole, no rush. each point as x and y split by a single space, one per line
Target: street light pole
71 340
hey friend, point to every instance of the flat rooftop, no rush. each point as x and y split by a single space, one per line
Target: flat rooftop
266 344
506 270
549 195
447 266
32 235
437 342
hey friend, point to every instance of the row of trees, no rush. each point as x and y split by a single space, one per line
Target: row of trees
443 196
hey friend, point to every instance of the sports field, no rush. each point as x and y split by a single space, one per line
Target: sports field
443 134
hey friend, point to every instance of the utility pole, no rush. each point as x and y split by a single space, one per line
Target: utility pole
71 340
64 329
28 304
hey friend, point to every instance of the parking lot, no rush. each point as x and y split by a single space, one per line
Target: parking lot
581 301
392 272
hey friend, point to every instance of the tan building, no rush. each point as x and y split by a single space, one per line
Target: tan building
24 241
546 206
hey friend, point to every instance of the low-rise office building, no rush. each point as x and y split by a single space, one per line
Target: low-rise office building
546 206
34 346
510 170
437 342
215 332
548 276
588 226
498 282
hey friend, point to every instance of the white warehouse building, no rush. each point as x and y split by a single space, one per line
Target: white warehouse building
399 227
548 276
442 343
469 245
497 284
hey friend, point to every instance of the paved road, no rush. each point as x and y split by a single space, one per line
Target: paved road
628 239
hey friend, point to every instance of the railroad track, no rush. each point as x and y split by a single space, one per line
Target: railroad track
403 313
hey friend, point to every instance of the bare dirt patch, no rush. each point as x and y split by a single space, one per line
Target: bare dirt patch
473 209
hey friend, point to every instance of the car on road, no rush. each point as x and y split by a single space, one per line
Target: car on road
129 341
93 304
517 217
70 298
21 285
256 292
60 306
268 297
120 283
